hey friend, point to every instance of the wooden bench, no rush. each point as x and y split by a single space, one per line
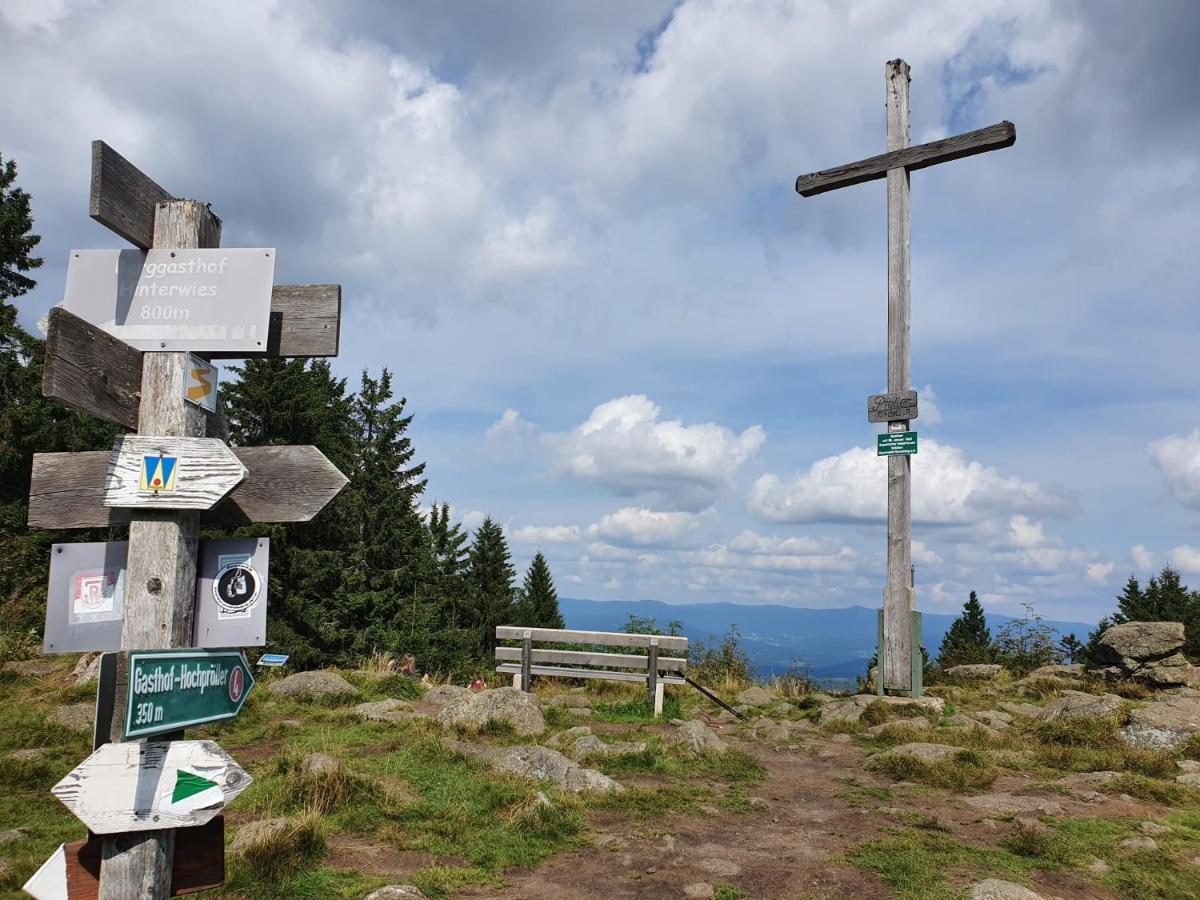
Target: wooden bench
653 669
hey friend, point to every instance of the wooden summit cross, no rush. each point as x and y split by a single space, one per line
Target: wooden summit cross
134 370
898 406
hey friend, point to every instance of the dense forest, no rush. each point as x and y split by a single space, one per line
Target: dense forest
374 572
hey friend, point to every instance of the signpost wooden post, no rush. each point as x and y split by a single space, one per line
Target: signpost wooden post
164 481
896 650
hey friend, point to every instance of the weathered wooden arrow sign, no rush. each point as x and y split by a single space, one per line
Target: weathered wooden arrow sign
146 787
169 690
147 472
304 318
73 871
283 484
200 299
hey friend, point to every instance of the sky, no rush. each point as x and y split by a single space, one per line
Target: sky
570 231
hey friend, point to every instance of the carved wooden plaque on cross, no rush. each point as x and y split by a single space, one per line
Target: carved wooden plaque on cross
897 656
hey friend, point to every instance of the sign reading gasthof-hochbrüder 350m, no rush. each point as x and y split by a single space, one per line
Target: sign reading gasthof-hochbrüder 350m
174 689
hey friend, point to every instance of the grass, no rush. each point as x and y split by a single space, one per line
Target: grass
723 890
966 771
636 711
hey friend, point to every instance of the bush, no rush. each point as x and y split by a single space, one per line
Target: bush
965 771
1026 643
720 663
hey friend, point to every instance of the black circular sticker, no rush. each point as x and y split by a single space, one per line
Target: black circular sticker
236 588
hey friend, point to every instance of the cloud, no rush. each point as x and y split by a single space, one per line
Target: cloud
1142 558
930 414
1100 572
507 435
947 490
627 447
1178 459
1186 559
641 527
547 534
472 519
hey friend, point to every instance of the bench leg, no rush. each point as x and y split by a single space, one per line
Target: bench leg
517 680
658 699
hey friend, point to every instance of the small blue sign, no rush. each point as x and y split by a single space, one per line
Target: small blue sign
273 659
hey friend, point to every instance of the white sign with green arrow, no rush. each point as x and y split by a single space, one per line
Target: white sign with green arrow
145 787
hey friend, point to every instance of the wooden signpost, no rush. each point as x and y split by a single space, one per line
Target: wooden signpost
896 651
126 354
127 787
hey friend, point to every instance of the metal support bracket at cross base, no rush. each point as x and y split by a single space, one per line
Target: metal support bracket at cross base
917 662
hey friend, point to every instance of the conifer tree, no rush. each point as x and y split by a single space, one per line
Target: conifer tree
969 640
490 578
538 605
450 556
29 423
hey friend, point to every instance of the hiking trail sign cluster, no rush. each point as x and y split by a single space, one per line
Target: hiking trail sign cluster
899 405
133 343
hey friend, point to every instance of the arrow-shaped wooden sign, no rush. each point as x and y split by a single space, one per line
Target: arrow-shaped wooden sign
147 472
283 484
146 787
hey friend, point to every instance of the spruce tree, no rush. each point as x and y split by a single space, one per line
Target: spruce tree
538 605
490 578
29 423
450 556
969 640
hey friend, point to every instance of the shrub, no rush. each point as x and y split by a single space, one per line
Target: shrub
279 854
1026 643
966 770
1037 842
723 663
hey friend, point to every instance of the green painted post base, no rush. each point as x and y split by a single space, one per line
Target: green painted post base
917 662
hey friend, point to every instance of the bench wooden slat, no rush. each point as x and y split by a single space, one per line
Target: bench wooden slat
599 638
515 669
583 658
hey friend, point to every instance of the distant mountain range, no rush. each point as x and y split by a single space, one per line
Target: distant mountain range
833 643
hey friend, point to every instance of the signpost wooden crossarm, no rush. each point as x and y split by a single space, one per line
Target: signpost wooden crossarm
161 582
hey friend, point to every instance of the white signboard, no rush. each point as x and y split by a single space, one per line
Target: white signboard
215 300
145 787
170 472
200 383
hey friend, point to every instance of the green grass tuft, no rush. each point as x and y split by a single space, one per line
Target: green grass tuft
965 771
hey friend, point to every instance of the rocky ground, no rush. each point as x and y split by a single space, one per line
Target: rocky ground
1053 785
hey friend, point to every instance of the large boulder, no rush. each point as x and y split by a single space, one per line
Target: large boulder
1164 724
506 704
1075 670
540 764
87 669
754 696
929 753
253 833
1014 804
386 711
975 671
441 694
995 889
697 738
852 708
1078 705
1139 642
79 717
33 668
396 892
314 684
1171 671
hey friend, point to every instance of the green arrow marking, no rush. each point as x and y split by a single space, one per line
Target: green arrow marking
188 785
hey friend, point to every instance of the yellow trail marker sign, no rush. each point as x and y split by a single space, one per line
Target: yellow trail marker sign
200 385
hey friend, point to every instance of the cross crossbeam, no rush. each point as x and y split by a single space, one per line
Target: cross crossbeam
994 137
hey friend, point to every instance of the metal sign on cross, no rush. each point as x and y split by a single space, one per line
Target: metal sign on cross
895 166
123 347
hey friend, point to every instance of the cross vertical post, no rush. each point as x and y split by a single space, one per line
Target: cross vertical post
898 597
899 637
161 579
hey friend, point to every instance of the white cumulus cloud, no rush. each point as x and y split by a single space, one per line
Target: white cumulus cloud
1142 558
1186 559
640 527
948 489
627 446
1178 458
546 534
1100 572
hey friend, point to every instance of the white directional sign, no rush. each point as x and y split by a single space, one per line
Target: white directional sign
200 383
170 472
215 300
145 787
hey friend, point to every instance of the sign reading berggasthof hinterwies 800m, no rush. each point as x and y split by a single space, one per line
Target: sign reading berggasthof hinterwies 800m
199 300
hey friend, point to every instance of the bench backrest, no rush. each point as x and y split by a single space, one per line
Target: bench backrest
634 662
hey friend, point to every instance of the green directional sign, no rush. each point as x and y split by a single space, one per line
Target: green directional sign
174 689
896 443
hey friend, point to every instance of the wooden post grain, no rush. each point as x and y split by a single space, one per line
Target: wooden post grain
527 660
160 582
652 674
898 604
